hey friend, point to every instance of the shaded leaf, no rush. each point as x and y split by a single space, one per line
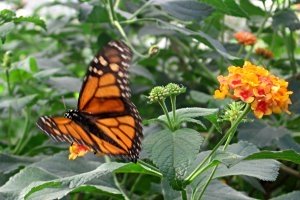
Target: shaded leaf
185 10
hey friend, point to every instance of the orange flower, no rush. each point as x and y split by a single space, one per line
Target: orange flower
253 84
245 38
78 150
264 53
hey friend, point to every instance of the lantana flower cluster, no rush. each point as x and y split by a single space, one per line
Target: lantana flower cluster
245 38
255 85
78 150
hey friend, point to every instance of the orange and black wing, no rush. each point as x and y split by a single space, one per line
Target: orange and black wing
118 139
109 122
105 86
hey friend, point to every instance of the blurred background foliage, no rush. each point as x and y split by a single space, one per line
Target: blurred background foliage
46 46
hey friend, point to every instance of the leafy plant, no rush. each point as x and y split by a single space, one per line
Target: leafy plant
194 145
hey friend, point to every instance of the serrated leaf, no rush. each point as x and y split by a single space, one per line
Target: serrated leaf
185 10
32 19
288 155
173 152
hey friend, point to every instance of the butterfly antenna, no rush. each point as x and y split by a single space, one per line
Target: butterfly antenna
63 101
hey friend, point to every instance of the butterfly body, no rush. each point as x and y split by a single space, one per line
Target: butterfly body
105 119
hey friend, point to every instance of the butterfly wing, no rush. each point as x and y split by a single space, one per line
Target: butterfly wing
105 86
109 122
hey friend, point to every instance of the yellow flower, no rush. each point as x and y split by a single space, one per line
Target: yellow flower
245 38
253 84
78 150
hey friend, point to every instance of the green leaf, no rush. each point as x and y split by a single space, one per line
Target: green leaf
229 7
33 64
173 152
201 37
6 15
188 115
224 192
10 163
259 133
288 155
32 19
251 9
185 10
6 29
286 18
98 15
17 103
289 196
53 174
200 97
70 84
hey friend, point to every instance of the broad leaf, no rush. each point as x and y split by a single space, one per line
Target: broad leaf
53 172
173 152
10 163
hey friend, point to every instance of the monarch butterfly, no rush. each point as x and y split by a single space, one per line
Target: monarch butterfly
105 120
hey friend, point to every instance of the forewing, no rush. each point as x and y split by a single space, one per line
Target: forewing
105 86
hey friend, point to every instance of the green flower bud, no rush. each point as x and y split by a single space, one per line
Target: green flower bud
158 93
175 89
233 111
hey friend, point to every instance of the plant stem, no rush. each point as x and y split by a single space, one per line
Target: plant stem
183 194
115 22
152 168
140 9
230 136
198 169
173 103
164 107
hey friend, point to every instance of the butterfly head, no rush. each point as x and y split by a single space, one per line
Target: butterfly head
71 114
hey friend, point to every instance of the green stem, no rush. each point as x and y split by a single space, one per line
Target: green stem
107 159
140 9
183 194
240 51
259 31
199 170
25 137
164 107
152 168
173 103
215 167
115 22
